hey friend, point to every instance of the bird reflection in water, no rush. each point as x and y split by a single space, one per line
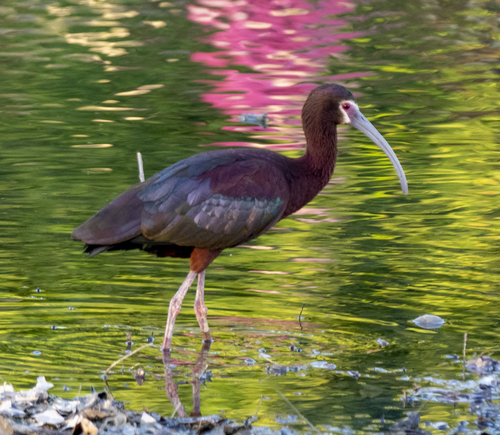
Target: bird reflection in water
199 377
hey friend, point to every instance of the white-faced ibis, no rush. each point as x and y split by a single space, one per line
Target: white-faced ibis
220 199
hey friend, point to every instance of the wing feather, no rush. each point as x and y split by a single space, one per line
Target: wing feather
213 200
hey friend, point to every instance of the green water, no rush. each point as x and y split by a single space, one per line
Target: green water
86 84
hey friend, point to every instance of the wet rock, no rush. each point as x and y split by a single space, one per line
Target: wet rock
408 425
440 395
96 414
22 428
382 342
65 407
50 417
288 419
230 429
482 365
489 381
140 376
353 374
5 390
439 425
429 321
454 356
279 370
5 428
35 394
6 408
119 419
147 419
254 119
85 427
323 365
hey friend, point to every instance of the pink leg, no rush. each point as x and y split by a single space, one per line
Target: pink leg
171 386
200 308
175 307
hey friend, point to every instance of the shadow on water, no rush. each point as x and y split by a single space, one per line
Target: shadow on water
85 85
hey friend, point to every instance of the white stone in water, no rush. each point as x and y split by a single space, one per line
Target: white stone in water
490 381
147 419
42 384
382 342
50 416
440 425
6 389
429 321
65 406
323 365
7 409
73 421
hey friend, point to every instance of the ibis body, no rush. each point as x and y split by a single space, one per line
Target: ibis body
220 199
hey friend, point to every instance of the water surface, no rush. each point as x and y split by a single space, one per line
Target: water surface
85 85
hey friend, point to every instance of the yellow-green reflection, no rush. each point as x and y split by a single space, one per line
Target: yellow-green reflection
364 259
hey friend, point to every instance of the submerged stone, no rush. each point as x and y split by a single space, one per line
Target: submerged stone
429 321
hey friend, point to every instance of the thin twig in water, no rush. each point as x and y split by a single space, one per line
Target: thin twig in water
258 407
125 357
297 411
176 408
465 350
302 309
79 390
267 359
108 387
141 167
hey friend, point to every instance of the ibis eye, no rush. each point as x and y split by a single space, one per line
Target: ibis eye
346 106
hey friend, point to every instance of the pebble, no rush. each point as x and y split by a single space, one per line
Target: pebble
429 321
323 365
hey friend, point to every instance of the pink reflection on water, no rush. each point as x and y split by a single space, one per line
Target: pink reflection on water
285 46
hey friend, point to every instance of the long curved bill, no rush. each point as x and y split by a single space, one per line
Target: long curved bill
362 124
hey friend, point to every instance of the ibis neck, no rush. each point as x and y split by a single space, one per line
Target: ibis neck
313 170
321 154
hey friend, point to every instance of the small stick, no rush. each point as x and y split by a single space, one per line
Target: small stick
108 388
176 409
79 390
297 411
302 309
465 349
125 357
267 359
141 167
258 407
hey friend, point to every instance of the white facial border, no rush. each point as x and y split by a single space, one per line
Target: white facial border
345 115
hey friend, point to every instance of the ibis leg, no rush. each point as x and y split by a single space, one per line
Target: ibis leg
175 307
200 308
